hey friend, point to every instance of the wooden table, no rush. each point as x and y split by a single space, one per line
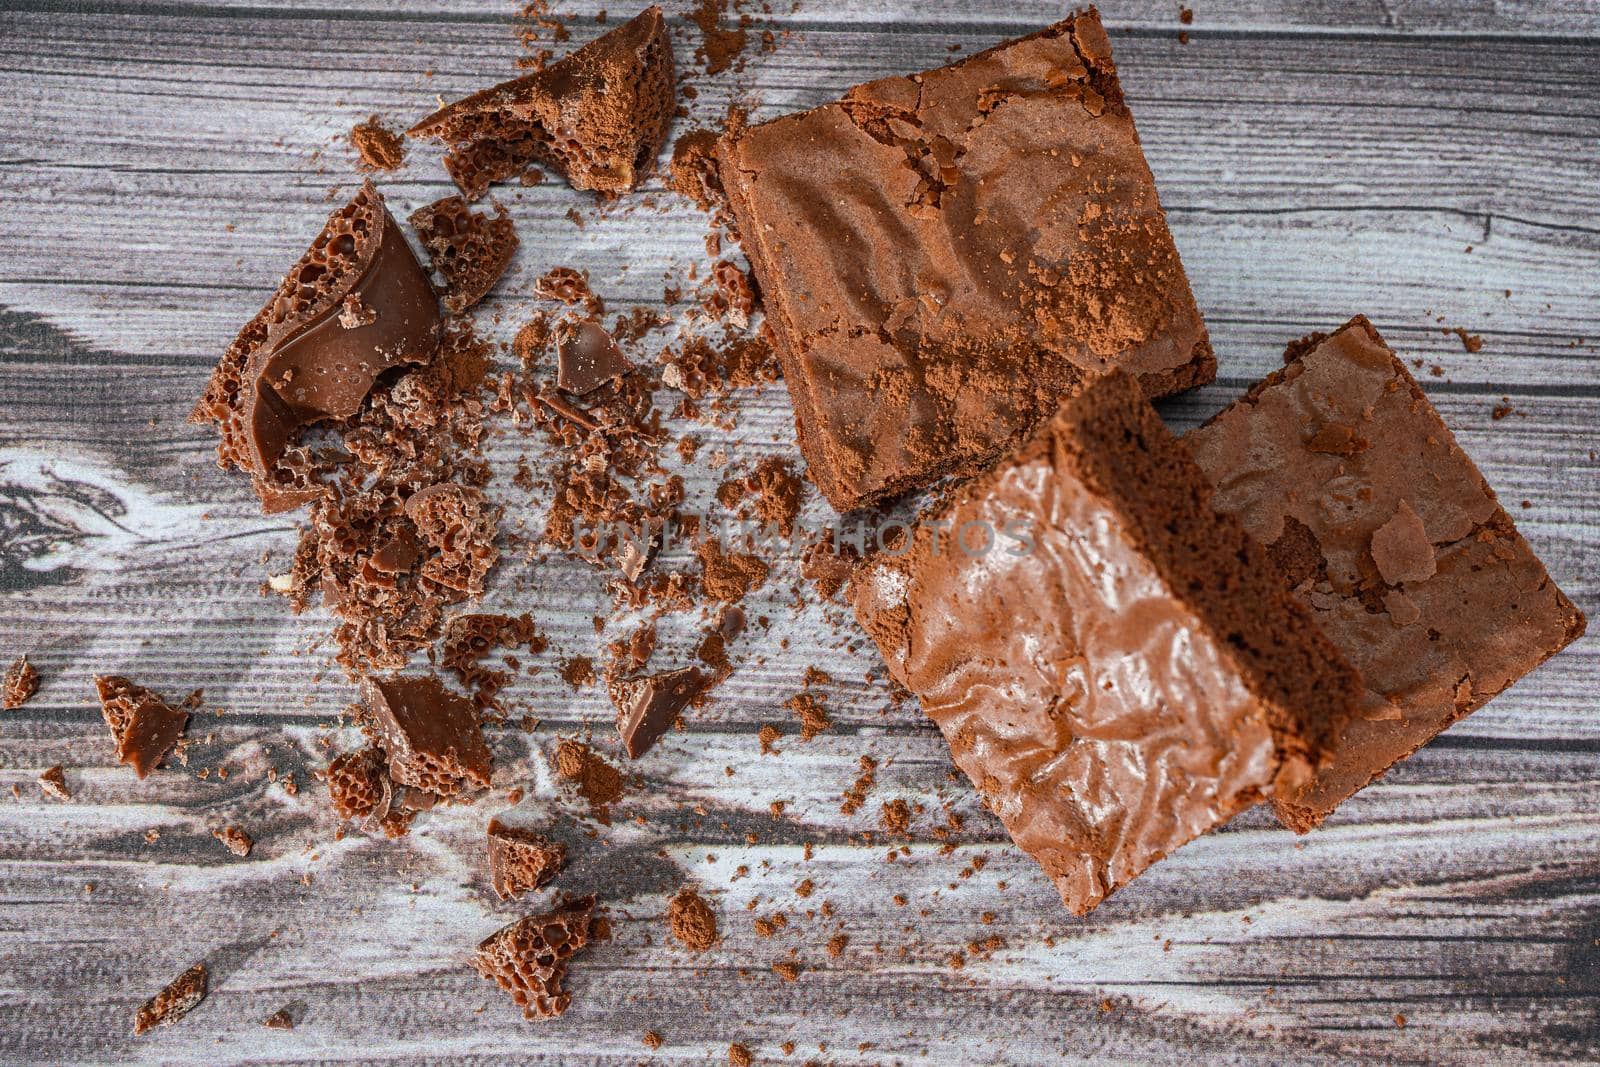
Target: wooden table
1430 163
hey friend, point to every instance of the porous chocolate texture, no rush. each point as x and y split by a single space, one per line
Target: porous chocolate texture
943 256
1392 538
1116 666
598 116
357 304
178 999
528 958
520 860
144 726
430 736
470 249
358 784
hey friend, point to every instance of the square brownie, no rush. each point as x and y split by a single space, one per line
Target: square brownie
943 256
1391 536
1116 666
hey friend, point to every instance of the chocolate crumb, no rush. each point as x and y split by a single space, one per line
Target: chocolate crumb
235 840
896 816
598 782
811 712
282 1019
178 999
738 1055
21 682
54 783
692 921
652 1040
788 970
379 147
520 860
729 575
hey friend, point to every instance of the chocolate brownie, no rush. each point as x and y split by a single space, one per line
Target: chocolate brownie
357 304
599 116
1395 541
1116 666
942 256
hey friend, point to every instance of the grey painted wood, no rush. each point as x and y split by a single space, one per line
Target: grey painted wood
164 162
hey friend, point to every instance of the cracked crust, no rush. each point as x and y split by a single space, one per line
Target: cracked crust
943 256
1423 582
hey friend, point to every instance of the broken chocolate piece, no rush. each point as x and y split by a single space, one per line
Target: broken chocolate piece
174 1002
598 116
1400 548
21 682
282 1019
942 256
528 958
469 249
299 361
358 786
647 707
520 860
1117 666
430 735
587 358
459 524
54 783
144 726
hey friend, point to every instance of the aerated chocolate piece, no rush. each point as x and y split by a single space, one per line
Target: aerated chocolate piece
1394 540
470 249
598 116
943 255
647 707
429 734
358 785
528 958
357 304
144 726
21 682
174 1002
520 860
1117 667
587 358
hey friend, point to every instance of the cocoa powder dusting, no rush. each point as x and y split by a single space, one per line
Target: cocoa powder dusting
692 921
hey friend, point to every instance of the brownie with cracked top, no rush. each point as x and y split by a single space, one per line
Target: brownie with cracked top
1395 541
943 256
1116 666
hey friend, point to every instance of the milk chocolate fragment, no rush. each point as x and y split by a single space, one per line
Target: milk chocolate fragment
174 1002
1399 547
943 255
520 860
21 682
235 839
430 735
647 707
598 116
469 249
357 304
144 726
587 358
54 783
528 958
1116 666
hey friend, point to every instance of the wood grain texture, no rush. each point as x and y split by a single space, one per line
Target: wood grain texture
164 162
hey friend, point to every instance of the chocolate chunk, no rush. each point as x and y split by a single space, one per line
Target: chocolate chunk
528 958
174 1002
1117 667
298 361
144 726
469 249
358 784
647 707
520 860
21 682
459 525
430 735
598 116
1477 611
587 358
235 840
54 783
943 256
